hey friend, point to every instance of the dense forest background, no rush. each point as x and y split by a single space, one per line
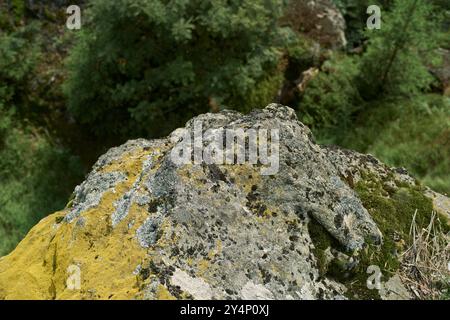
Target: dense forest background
141 68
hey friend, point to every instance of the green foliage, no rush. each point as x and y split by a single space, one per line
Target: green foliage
18 59
264 92
446 291
36 173
397 54
36 178
18 7
331 97
322 240
441 4
143 67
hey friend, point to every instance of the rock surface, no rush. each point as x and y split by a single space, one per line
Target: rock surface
352 166
319 20
143 227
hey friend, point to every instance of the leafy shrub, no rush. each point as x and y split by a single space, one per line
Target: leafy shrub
36 178
265 91
143 67
331 98
397 54
36 173
18 60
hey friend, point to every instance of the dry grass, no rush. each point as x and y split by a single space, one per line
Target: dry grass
425 265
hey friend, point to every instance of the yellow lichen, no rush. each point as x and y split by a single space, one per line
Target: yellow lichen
105 256
163 294
217 250
245 176
202 267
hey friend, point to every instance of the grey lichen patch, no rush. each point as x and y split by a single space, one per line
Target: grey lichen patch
441 203
196 287
117 153
253 291
122 207
164 182
148 233
137 270
353 166
124 203
81 222
90 192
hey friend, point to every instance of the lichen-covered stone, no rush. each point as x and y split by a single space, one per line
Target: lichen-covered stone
143 227
352 166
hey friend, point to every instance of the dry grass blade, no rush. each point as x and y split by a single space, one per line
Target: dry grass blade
425 264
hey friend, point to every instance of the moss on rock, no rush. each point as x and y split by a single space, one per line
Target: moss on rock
393 209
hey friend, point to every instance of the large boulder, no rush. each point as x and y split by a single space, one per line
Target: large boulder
144 225
319 20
